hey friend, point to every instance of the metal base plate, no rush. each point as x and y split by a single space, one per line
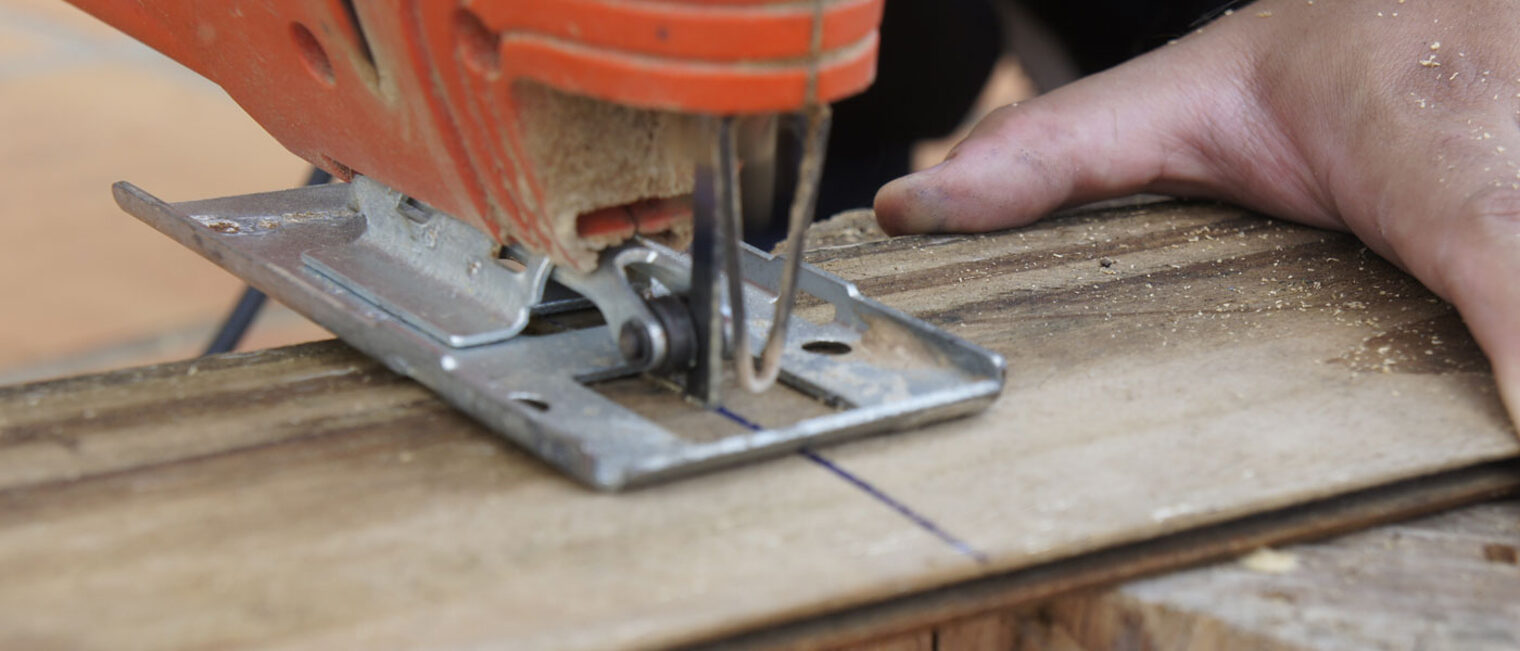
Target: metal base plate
885 369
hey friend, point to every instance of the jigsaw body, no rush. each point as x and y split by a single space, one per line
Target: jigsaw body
510 158
477 108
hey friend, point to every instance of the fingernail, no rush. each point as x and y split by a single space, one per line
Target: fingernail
932 168
905 205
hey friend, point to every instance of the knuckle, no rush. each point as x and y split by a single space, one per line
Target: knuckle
1488 218
1493 207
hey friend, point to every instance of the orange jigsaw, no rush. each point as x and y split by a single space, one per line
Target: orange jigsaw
509 159
425 96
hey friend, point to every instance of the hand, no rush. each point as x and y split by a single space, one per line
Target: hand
1398 120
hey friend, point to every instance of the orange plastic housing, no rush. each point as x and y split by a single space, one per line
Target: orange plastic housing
419 93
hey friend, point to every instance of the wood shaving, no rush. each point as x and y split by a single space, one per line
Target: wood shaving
1269 561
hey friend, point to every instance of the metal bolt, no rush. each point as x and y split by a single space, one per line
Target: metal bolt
633 342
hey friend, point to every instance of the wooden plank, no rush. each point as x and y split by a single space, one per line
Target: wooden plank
331 503
1220 365
1023 599
1219 361
1444 582
1448 581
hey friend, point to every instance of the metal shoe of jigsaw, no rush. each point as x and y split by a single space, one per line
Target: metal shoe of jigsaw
494 146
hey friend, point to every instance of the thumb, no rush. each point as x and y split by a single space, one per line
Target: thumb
1442 198
1489 298
1127 130
1472 257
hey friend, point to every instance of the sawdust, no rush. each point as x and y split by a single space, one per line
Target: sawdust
1437 345
1269 561
848 228
1501 553
589 155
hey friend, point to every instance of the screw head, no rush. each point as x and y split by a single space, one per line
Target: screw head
633 342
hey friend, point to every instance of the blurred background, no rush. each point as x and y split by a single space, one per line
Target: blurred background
84 286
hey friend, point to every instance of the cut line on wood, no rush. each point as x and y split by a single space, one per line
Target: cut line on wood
918 519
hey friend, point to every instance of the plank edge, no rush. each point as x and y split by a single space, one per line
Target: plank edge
1029 586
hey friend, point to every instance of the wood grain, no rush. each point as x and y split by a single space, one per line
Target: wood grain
1220 365
1422 584
1218 355
1432 583
1027 603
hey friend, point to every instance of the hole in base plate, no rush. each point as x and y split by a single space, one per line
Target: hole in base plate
530 399
509 260
826 347
660 400
814 310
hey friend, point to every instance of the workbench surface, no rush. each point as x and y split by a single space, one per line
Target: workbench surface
1173 369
